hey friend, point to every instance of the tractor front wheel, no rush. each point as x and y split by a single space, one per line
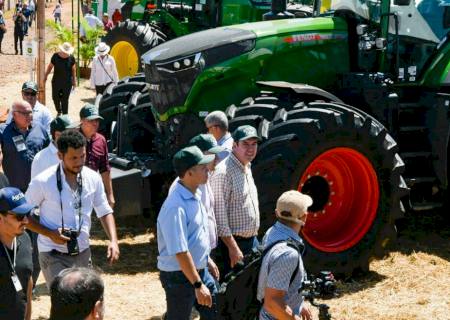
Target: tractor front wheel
129 40
347 162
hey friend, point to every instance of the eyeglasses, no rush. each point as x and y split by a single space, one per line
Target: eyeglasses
25 113
29 93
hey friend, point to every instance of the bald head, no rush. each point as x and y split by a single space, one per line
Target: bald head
22 114
77 293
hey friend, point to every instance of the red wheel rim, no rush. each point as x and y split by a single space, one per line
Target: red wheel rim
344 187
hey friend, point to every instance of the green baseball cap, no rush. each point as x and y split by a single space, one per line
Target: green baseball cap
188 157
244 133
30 85
89 112
61 123
206 142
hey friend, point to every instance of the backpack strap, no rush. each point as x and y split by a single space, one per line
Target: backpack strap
299 247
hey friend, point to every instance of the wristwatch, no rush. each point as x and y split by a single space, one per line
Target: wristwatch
197 284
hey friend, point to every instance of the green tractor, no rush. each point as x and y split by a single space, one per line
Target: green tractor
151 22
352 106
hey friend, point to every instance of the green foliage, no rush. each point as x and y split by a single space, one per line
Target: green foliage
62 34
90 40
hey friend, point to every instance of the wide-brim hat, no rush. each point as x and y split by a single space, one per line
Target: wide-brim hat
66 48
102 49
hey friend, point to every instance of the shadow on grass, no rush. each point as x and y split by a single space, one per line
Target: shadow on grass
427 232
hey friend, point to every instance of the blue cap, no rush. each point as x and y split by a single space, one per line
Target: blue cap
12 199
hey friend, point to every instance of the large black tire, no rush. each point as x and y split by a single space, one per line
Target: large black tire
113 97
296 135
138 39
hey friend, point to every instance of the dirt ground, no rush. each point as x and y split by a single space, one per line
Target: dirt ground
412 282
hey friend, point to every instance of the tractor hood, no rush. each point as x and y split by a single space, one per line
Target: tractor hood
218 37
197 42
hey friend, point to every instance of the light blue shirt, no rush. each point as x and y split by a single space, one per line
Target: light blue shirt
182 226
278 266
227 142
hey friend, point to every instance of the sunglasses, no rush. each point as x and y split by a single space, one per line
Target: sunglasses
29 93
18 217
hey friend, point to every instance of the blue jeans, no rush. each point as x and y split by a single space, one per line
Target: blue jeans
245 244
180 295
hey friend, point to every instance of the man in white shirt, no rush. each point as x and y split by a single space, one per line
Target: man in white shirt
217 124
41 114
92 20
66 194
104 70
48 156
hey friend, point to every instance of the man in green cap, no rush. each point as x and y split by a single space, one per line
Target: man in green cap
183 240
41 114
96 148
208 145
48 156
236 199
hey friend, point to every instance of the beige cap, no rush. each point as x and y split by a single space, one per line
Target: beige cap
292 205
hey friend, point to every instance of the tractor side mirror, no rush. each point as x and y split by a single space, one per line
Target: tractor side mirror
402 2
446 20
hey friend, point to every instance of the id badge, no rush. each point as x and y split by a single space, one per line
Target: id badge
16 282
19 142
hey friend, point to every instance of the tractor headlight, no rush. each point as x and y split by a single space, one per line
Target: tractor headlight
180 64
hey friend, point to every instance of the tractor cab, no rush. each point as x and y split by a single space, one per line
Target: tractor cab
399 37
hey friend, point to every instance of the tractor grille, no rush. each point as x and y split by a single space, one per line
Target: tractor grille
169 86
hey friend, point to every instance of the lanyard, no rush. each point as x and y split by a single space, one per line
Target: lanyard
13 262
79 192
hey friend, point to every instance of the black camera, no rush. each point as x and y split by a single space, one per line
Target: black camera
323 286
72 244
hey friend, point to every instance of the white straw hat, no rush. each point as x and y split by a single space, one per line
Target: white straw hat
102 49
66 48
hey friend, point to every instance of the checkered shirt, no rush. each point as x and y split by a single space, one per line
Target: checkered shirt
278 266
235 199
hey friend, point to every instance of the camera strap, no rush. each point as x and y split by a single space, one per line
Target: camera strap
79 192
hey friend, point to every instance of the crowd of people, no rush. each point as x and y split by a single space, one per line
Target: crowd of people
55 174
210 221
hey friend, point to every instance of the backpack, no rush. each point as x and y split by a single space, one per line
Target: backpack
236 299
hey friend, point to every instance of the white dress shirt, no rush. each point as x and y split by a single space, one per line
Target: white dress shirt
102 75
41 115
227 142
43 192
44 159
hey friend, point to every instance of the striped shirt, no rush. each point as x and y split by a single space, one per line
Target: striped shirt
278 266
235 199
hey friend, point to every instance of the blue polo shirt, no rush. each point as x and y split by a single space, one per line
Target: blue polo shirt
19 150
182 226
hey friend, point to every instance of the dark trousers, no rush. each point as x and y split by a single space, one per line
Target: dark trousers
245 244
18 38
180 295
101 89
1 39
60 96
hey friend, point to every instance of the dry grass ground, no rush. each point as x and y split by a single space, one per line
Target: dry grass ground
411 283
